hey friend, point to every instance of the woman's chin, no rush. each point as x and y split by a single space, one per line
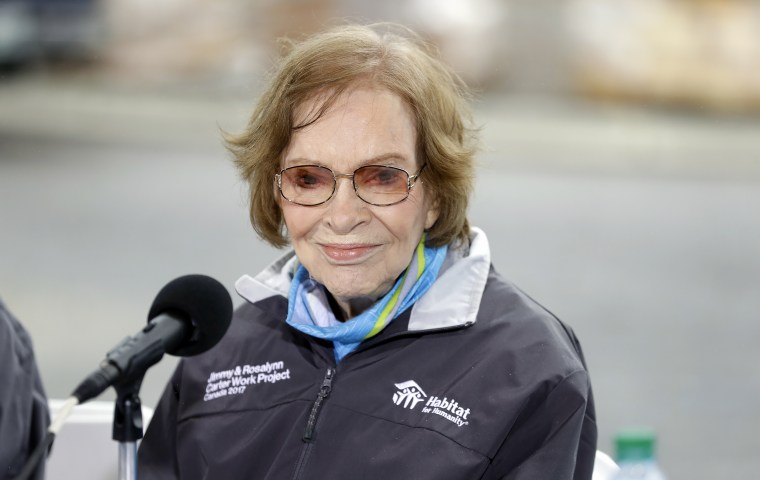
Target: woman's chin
353 293
354 299
349 284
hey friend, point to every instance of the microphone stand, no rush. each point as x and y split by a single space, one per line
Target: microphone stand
128 425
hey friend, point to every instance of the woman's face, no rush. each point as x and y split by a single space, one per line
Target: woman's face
357 250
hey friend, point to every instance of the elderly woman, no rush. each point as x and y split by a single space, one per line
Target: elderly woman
383 345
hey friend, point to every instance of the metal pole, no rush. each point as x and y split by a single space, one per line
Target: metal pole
127 426
127 460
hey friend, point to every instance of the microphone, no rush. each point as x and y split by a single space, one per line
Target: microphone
189 316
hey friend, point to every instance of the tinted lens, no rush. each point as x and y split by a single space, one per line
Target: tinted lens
307 185
381 185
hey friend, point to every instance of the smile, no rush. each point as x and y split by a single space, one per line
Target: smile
347 253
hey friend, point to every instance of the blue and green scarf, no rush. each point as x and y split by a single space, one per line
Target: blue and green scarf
309 310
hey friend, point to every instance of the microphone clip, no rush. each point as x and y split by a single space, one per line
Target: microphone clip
127 415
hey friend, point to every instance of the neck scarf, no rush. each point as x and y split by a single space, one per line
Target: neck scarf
309 310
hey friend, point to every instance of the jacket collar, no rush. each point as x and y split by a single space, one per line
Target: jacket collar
452 301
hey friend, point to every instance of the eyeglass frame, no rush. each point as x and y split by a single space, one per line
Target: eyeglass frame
411 181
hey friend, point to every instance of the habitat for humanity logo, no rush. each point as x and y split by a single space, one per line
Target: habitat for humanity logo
409 394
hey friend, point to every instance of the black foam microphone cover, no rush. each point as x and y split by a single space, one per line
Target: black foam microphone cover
198 299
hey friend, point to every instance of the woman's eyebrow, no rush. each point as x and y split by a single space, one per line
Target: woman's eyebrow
385 157
300 161
389 157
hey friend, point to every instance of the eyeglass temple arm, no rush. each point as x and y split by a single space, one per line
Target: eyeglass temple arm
413 178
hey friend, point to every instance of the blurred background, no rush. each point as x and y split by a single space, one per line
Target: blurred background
619 183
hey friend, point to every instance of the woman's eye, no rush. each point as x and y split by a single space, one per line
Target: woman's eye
309 178
306 180
383 177
386 177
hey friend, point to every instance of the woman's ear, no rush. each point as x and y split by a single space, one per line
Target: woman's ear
432 214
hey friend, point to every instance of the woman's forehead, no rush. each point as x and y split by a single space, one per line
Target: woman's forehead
322 100
361 126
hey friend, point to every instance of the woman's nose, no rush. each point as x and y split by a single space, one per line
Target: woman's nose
345 210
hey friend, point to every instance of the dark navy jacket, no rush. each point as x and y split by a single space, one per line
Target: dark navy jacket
475 381
24 416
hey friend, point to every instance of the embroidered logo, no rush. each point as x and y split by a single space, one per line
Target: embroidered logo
409 394
237 379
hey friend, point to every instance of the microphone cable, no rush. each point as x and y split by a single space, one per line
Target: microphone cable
44 446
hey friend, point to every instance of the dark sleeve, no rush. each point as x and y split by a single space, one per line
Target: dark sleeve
24 414
157 457
554 438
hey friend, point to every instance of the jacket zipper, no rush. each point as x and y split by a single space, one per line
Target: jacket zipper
324 391
308 434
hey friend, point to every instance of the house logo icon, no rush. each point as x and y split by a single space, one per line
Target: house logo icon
409 394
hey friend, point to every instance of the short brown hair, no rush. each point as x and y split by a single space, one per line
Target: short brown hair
393 58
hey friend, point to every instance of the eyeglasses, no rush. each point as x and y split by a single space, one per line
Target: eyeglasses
311 185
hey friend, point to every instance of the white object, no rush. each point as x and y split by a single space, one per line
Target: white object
84 448
604 467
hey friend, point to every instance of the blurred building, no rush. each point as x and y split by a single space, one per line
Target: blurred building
35 31
703 54
700 53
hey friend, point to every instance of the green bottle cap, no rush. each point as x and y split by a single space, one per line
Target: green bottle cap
635 444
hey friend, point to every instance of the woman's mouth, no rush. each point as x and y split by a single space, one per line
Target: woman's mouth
347 253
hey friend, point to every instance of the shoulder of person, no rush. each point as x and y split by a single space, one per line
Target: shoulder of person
526 330
14 339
